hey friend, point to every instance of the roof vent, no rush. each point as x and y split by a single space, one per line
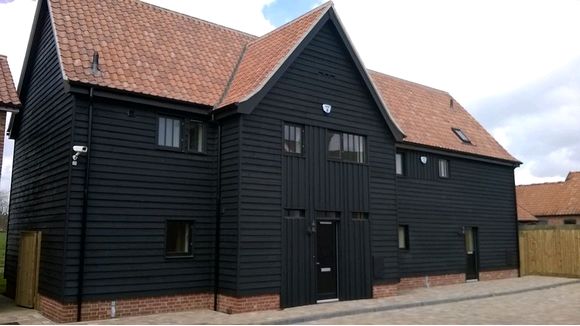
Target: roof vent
95 65
451 103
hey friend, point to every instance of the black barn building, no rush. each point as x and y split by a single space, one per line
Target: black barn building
171 163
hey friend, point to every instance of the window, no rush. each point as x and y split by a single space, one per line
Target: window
328 214
293 135
346 147
443 168
399 163
294 213
570 221
195 137
461 135
360 216
178 238
403 237
469 241
169 132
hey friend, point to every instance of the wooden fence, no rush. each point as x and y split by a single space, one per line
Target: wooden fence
552 250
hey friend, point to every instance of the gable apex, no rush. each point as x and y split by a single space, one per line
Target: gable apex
249 102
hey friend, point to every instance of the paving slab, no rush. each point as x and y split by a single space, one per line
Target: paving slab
11 314
406 300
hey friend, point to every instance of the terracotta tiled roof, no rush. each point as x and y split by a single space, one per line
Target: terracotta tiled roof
551 199
427 117
8 95
264 55
524 215
146 49
149 50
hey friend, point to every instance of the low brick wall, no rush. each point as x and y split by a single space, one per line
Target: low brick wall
95 310
385 290
408 283
498 275
234 305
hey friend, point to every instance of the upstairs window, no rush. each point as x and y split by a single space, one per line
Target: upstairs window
346 147
360 216
294 213
293 139
195 137
459 133
169 132
443 168
399 163
178 238
403 237
175 133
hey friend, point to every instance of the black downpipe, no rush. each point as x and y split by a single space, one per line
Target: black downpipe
218 219
81 277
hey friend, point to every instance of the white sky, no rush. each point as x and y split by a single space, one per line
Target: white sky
475 50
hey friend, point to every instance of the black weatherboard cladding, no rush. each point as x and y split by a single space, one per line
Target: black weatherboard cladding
436 209
135 187
41 163
323 73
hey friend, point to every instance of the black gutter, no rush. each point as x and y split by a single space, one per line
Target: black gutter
217 218
81 277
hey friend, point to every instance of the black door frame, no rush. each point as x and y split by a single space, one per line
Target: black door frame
336 224
475 236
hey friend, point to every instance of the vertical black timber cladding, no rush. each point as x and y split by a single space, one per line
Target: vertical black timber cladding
475 194
134 188
41 163
271 181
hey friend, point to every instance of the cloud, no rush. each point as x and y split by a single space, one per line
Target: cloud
539 124
473 49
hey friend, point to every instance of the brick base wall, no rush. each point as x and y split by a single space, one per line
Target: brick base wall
498 275
95 310
234 305
408 283
56 311
385 290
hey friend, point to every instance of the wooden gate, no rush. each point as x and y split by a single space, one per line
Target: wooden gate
28 266
550 250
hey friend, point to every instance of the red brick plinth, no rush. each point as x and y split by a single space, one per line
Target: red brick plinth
385 290
235 305
95 310
408 283
498 275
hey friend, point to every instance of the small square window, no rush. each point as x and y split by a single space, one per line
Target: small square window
399 163
443 168
459 133
196 137
293 139
178 238
169 132
403 237
294 213
361 216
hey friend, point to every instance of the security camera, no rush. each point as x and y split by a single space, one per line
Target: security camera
80 149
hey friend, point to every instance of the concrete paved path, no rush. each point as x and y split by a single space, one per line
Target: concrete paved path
10 313
505 298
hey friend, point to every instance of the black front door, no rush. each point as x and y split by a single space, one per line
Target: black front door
472 252
326 261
